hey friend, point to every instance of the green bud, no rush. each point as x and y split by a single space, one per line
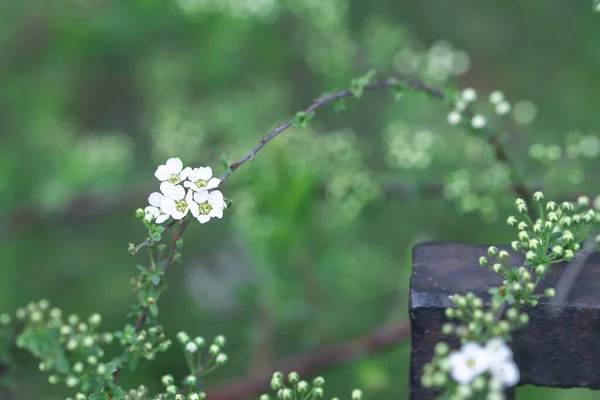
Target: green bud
441 349
139 213
492 251
302 387
483 261
447 329
293 377
550 292
319 382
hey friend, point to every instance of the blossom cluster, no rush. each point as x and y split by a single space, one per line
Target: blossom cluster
473 360
296 388
478 121
184 190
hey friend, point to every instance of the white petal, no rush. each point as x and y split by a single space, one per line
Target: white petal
213 183
216 213
177 193
152 211
185 173
166 188
194 209
174 165
511 374
162 218
162 173
167 205
176 214
155 199
201 196
216 199
190 185
203 218
204 173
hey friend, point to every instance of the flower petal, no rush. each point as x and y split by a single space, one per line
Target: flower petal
215 199
203 218
183 175
162 218
216 213
167 205
162 173
155 199
201 196
175 165
213 183
204 173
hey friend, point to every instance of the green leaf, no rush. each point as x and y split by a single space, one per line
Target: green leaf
225 163
142 269
43 343
153 310
358 85
159 229
302 119
179 243
155 236
98 396
155 279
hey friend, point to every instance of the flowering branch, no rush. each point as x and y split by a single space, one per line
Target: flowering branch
358 87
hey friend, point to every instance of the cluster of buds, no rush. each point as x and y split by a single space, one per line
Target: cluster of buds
201 359
76 359
478 121
173 392
297 388
145 343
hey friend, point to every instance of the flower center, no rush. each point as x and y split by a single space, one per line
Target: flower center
201 184
181 205
174 178
471 363
204 208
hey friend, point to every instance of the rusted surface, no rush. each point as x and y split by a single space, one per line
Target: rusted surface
555 349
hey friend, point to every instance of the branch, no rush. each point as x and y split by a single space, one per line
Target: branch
168 261
317 360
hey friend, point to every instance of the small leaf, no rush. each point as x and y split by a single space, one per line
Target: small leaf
225 163
228 203
160 229
179 243
153 310
142 269
98 396
155 236
155 279
302 119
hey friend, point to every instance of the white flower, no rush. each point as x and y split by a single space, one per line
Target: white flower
469 95
208 205
454 118
154 209
460 105
191 347
469 362
503 108
496 97
172 171
201 178
503 369
478 121
175 203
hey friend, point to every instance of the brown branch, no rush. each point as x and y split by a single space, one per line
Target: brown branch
315 361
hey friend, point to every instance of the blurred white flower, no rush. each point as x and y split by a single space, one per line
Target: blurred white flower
478 121
172 171
454 118
502 367
154 209
496 97
208 205
174 201
191 347
503 108
469 95
471 361
201 178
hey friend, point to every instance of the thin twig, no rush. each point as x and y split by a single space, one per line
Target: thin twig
317 360
415 84
166 262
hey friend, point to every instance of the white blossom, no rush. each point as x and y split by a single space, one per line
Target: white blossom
478 121
503 108
154 209
460 105
454 118
471 361
201 178
191 347
208 205
496 97
502 367
469 95
172 171
174 201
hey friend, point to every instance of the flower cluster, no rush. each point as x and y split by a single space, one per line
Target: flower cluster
297 388
478 121
184 190
199 364
145 343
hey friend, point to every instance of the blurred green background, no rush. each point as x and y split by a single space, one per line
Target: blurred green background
95 94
